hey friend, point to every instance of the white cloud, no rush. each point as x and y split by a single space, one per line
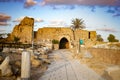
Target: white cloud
3 19
2 30
18 19
71 3
79 2
3 24
30 3
107 29
57 23
38 20
21 18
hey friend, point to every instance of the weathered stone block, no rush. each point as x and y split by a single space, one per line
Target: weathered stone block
6 68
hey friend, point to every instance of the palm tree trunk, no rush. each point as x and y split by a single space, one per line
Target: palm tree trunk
73 35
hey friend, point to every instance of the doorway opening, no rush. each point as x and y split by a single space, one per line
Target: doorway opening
64 44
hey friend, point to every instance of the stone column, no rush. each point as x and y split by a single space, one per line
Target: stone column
25 66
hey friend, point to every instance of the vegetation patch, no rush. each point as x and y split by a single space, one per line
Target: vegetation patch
54 41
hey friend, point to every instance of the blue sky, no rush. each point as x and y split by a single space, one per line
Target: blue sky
100 15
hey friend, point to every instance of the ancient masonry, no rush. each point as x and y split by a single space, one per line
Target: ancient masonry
62 34
23 31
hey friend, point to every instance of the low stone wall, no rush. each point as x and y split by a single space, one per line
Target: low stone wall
110 56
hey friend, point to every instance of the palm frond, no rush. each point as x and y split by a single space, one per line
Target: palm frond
78 23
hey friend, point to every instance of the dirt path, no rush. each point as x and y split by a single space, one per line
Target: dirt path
64 67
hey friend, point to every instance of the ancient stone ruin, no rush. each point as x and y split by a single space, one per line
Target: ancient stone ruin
23 31
66 37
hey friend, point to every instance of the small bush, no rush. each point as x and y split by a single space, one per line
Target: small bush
55 41
16 39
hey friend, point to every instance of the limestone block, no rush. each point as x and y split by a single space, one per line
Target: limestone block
18 63
19 50
36 52
6 68
6 49
13 50
18 78
47 61
1 59
41 51
30 50
114 72
35 62
43 56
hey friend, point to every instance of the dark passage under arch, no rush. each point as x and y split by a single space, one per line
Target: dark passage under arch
64 44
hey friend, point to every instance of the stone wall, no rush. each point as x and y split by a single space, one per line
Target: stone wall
23 31
50 33
92 35
110 56
53 33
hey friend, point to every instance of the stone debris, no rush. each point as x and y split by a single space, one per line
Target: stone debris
42 50
20 50
35 62
10 66
6 50
43 56
46 61
18 78
12 50
18 63
6 68
40 56
1 59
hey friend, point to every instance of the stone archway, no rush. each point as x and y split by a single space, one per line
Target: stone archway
64 43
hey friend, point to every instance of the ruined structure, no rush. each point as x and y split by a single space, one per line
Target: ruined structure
66 37
23 31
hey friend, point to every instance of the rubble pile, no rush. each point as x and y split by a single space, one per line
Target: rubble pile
10 61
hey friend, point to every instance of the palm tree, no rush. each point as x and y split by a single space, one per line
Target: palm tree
78 24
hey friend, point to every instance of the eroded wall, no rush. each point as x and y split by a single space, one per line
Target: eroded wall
50 33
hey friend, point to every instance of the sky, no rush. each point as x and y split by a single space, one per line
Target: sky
103 16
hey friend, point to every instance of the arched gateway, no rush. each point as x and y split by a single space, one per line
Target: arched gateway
64 43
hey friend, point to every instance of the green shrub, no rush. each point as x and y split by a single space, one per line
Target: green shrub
16 39
55 41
